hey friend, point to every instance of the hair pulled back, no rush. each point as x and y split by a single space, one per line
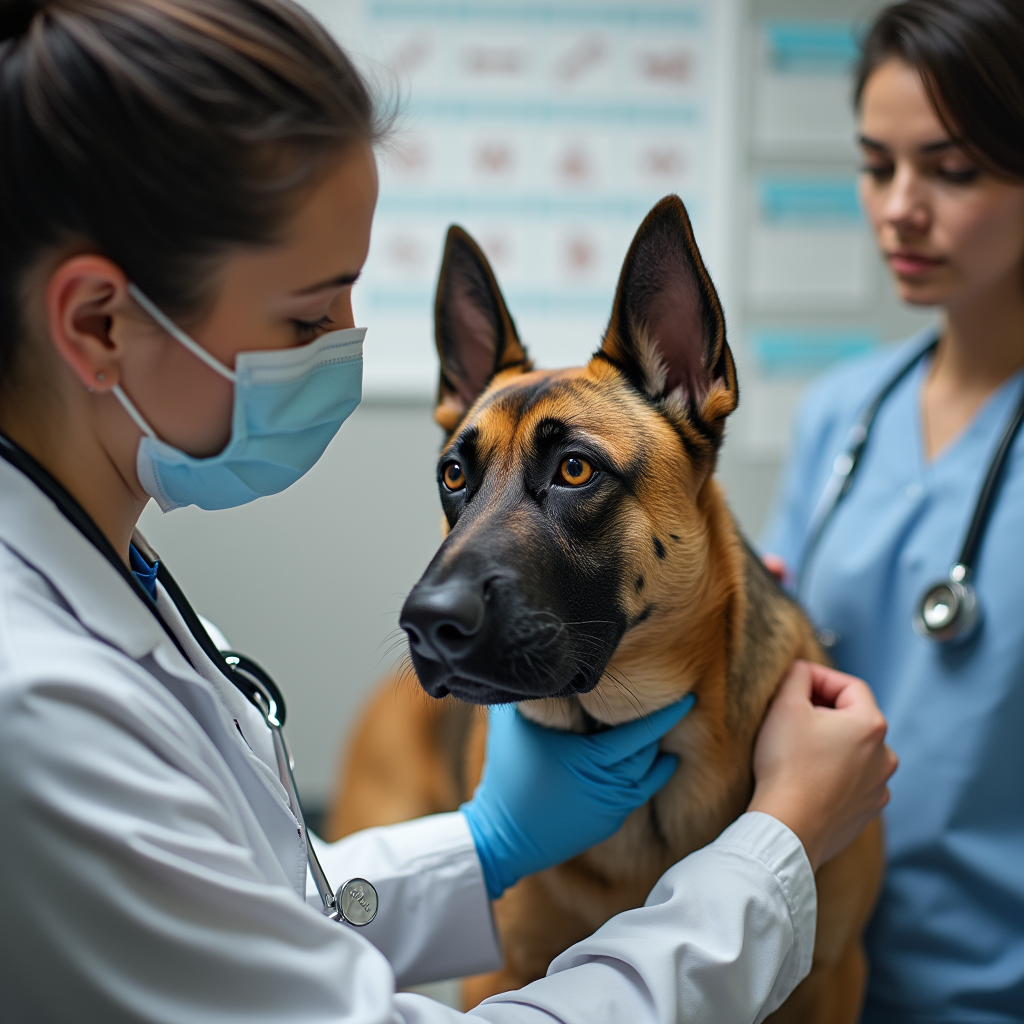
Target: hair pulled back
970 55
161 133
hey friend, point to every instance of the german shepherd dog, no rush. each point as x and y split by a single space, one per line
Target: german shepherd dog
592 574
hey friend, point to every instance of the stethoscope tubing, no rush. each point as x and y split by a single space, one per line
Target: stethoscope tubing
844 468
845 465
990 490
254 682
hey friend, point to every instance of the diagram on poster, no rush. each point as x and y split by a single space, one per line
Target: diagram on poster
547 130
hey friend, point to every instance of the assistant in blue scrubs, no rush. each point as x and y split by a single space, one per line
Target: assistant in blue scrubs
939 96
947 939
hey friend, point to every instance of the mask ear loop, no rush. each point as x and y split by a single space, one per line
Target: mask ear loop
179 335
129 407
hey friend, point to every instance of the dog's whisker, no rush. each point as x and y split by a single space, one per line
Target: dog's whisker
391 637
395 645
634 701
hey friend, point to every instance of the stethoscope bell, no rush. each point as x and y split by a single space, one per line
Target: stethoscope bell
357 902
949 610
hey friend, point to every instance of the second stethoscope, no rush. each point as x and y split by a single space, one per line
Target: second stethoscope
949 609
354 902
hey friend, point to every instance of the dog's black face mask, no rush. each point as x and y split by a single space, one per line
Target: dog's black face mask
555 534
522 599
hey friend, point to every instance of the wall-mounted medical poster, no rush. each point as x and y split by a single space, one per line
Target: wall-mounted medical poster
547 130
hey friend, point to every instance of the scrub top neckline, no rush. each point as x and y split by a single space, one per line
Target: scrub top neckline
978 422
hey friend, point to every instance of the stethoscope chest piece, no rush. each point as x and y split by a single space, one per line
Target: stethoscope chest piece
949 610
357 901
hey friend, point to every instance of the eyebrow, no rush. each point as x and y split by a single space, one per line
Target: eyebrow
938 146
334 282
465 446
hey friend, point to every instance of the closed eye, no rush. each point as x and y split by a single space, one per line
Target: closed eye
878 171
307 330
959 175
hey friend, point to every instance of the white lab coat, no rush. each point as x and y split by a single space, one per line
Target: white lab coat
151 869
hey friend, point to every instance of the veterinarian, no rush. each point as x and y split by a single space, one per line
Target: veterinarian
895 544
186 195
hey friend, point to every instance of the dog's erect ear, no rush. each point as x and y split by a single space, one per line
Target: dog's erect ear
667 330
476 337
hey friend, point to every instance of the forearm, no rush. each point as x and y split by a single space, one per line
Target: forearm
725 936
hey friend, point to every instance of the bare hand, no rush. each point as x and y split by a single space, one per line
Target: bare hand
820 762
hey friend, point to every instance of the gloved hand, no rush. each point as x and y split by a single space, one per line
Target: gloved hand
547 795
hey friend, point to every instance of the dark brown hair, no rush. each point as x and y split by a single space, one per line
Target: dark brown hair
162 133
970 55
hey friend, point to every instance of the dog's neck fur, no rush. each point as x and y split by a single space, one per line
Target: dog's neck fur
729 641
691 643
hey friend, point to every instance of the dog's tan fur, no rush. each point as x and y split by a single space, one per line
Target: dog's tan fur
712 623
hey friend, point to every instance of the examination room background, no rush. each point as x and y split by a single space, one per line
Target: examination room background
547 128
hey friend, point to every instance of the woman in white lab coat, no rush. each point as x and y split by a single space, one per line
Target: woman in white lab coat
186 194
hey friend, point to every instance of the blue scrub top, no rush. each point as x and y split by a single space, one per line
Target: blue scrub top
947 940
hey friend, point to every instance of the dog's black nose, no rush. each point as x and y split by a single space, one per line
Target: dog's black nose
444 621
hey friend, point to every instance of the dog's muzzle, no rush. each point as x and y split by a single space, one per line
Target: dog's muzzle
445 622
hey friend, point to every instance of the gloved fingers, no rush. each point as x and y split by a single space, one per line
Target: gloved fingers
501 722
634 771
661 771
637 764
625 740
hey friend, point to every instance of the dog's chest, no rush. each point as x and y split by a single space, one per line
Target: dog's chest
709 790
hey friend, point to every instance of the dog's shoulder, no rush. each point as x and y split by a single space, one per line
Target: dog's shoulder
774 630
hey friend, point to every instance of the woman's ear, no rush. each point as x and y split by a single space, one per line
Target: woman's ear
84 295
476 337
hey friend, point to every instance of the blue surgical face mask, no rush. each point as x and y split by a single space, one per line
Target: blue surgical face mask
289 404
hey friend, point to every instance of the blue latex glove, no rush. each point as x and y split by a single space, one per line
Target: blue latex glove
547 795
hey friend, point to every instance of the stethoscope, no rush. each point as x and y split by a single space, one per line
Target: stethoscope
355 902
949 609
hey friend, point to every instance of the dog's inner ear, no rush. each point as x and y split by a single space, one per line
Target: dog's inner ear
476 337
667 330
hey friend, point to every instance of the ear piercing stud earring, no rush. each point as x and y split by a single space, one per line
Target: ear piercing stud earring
101 376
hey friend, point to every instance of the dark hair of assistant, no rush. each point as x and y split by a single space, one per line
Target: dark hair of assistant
160 134
970 55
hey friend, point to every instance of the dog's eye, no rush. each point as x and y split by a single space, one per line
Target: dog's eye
575 471
453 476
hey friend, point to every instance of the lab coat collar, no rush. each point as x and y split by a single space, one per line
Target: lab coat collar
35 529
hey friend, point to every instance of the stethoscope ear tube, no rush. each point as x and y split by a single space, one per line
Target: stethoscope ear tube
355 902
846 463
949 611
285 770
251 678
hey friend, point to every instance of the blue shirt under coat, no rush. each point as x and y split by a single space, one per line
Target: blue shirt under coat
143 571
947 940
